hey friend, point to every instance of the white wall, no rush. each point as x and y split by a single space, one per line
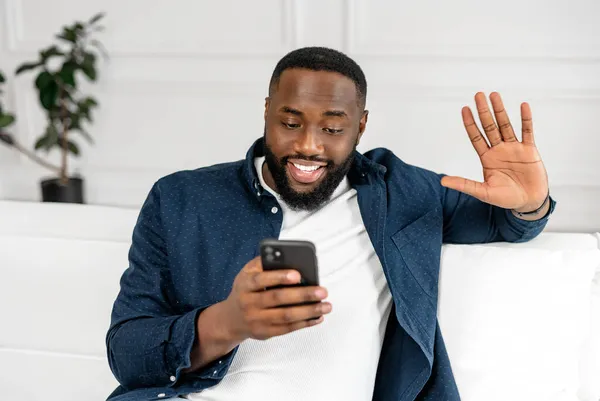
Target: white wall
186 83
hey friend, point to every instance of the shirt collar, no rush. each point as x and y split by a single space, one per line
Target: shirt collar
361 168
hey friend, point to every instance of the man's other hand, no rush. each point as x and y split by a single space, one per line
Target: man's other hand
514 176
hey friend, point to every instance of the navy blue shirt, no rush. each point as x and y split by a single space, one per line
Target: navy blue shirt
198 228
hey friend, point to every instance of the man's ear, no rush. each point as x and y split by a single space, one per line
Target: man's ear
267 102
362 124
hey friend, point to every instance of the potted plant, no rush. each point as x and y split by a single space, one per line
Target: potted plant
66 110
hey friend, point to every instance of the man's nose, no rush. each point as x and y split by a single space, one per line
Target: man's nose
309 143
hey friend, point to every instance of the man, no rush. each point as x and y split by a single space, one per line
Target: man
193 318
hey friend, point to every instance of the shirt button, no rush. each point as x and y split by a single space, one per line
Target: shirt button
274 210
172 378
162 395
220 362
214 373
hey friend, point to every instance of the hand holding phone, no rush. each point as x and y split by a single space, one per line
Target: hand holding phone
268 303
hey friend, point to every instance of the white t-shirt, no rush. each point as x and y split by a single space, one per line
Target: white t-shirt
334 360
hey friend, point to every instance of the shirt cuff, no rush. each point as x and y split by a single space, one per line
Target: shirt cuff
530 227
183 334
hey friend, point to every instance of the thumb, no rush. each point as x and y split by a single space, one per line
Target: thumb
254 266
469 187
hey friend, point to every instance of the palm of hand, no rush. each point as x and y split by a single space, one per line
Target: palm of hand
513 172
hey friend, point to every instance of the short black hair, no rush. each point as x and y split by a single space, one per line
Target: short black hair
322 59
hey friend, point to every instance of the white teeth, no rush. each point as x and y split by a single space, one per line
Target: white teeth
305 168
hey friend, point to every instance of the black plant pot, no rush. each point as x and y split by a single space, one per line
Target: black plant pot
54 191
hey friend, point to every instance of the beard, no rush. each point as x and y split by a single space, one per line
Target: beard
314 199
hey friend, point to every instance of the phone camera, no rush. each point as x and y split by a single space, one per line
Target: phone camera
272 254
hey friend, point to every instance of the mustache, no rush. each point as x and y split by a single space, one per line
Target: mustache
285 159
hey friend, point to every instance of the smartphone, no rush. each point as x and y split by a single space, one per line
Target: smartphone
291 254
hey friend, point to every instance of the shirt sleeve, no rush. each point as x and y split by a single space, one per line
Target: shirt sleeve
467 220
148 343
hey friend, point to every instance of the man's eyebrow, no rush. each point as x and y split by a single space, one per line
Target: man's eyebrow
335 113
289 110
328 113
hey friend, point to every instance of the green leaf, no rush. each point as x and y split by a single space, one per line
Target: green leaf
40 143
84 114
7 138
68 35
85 105
88 67
74 122
84 108
51 137
27 66
43 79
90 101
67 73
49 140
50 52
49 95
90 71
6 120
73 148
97 18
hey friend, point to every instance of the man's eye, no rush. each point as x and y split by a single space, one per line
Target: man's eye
290 125
333 130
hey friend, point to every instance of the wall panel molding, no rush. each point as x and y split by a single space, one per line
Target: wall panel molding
477 43
233 35
13 28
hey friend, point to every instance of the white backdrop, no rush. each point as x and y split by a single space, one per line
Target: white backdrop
186 82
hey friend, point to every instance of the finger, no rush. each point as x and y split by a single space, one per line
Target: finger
506 129
277 330
478 141
469 187
290 296
527 124
487 120
293 314
258 281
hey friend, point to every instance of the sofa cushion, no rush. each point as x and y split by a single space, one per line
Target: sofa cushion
516 319
60 266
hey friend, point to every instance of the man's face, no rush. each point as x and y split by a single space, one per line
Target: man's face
313 122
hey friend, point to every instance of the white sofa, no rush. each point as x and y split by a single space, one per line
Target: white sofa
519 319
